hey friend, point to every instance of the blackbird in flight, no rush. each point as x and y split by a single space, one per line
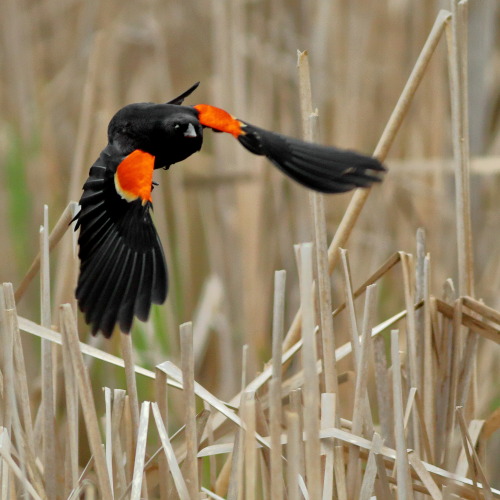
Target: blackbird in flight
122 265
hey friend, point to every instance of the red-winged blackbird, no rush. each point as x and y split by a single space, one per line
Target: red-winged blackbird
122 265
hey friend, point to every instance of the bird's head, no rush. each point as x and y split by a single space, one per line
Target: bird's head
169 132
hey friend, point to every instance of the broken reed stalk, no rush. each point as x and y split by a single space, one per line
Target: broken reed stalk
309 126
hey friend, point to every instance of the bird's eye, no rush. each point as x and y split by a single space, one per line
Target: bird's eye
177 125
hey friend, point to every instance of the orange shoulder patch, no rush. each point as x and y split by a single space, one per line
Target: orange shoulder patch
218 119
134 176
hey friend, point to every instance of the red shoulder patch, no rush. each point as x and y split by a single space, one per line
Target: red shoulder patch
218 119
134 176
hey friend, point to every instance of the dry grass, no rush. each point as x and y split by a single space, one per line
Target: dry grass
410 360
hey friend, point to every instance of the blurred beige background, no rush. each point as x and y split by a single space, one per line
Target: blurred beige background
228 219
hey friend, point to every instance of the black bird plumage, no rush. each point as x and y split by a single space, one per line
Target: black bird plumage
122 264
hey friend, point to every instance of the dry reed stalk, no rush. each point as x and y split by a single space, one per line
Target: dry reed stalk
456 37
361 411
420 284
414 373
424 476
211 439
248 410
482 309
311 380
368 483
9 399
465 393
161 391
428 418
235 486
349 301
382 483
132 399
128 358
70 337
72 413
409 406
276 467
142 434
119 397
235 489
404 488
426 441
296 407
384 402
355 340
191 464
275 414
340 473
454 376
278 324
293 454
177 477
181 449
264 464
474 430
309 127
222 482
328 413
48 402
108 434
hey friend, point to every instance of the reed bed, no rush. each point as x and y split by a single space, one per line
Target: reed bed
366 366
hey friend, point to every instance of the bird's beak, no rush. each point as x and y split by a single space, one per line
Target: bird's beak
190 131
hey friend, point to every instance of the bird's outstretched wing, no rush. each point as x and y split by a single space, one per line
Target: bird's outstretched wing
122 265
322 168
